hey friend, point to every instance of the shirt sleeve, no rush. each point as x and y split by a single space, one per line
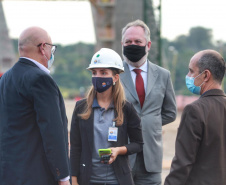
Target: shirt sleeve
169 109
134 131
76 143
65 179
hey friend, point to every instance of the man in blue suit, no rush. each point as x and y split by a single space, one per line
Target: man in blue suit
33 123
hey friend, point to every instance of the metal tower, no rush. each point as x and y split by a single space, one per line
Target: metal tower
7 54
110 16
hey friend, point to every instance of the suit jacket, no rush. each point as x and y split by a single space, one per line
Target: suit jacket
81 139
33 128
159 108
200 157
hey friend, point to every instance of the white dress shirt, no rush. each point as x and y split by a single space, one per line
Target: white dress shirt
144 74
42 67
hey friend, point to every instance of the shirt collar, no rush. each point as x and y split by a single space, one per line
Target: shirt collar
96 105
42 67
213 92
144 67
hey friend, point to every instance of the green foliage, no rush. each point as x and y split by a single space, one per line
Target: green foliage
200 38
179 52
70 73
70 65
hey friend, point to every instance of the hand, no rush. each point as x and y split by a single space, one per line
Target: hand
114 154
64 182
74 180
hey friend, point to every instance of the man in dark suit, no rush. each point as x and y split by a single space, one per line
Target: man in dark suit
33 123
200 144
151 93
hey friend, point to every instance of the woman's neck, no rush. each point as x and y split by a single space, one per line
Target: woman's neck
104 99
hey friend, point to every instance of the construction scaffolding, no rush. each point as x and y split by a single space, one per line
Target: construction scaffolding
110 16
7 53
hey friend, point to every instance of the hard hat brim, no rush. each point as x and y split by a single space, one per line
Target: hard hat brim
105 66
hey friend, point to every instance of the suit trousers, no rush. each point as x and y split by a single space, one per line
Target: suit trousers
141 176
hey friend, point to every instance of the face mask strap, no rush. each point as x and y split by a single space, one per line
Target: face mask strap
198 76
46 57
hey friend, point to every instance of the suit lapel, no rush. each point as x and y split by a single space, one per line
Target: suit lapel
89 130
151 78
128 82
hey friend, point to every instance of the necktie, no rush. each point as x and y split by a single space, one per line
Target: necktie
140 86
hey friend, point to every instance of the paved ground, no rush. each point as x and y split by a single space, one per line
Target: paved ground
169 136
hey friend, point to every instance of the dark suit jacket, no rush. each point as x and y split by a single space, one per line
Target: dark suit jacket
33 128
82 144
201 143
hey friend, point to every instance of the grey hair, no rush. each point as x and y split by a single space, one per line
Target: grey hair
138 23
214 62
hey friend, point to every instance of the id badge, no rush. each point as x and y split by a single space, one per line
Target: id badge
112 133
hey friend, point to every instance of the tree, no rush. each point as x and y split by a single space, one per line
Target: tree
200 38
184 47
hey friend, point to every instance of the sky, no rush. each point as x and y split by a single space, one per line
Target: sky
69 22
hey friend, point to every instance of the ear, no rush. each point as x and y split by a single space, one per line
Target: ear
116 78
41 49
149 45
207 76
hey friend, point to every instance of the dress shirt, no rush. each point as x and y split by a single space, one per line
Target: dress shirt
103 119
144 74
42 67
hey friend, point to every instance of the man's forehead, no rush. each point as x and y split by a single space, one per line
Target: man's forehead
192 64
133 33
197 56
194 60
134 30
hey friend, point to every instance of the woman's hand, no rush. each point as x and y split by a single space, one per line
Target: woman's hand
115 152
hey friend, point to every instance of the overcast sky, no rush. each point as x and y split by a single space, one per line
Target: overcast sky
69 22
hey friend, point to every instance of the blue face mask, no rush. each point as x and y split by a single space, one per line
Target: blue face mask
102 84
50 61
190 83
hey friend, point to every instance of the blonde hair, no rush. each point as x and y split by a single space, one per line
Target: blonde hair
118 100
135 24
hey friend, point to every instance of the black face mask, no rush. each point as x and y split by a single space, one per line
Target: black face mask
101 84
134 52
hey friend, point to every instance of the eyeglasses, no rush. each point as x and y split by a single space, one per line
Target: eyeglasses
53 47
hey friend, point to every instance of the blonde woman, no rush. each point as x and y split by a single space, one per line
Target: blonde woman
104 120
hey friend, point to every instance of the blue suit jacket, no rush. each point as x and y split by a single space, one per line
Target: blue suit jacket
33 128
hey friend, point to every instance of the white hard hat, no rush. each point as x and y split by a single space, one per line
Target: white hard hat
106 58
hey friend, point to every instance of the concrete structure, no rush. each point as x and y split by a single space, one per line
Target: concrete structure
110 16
7 54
